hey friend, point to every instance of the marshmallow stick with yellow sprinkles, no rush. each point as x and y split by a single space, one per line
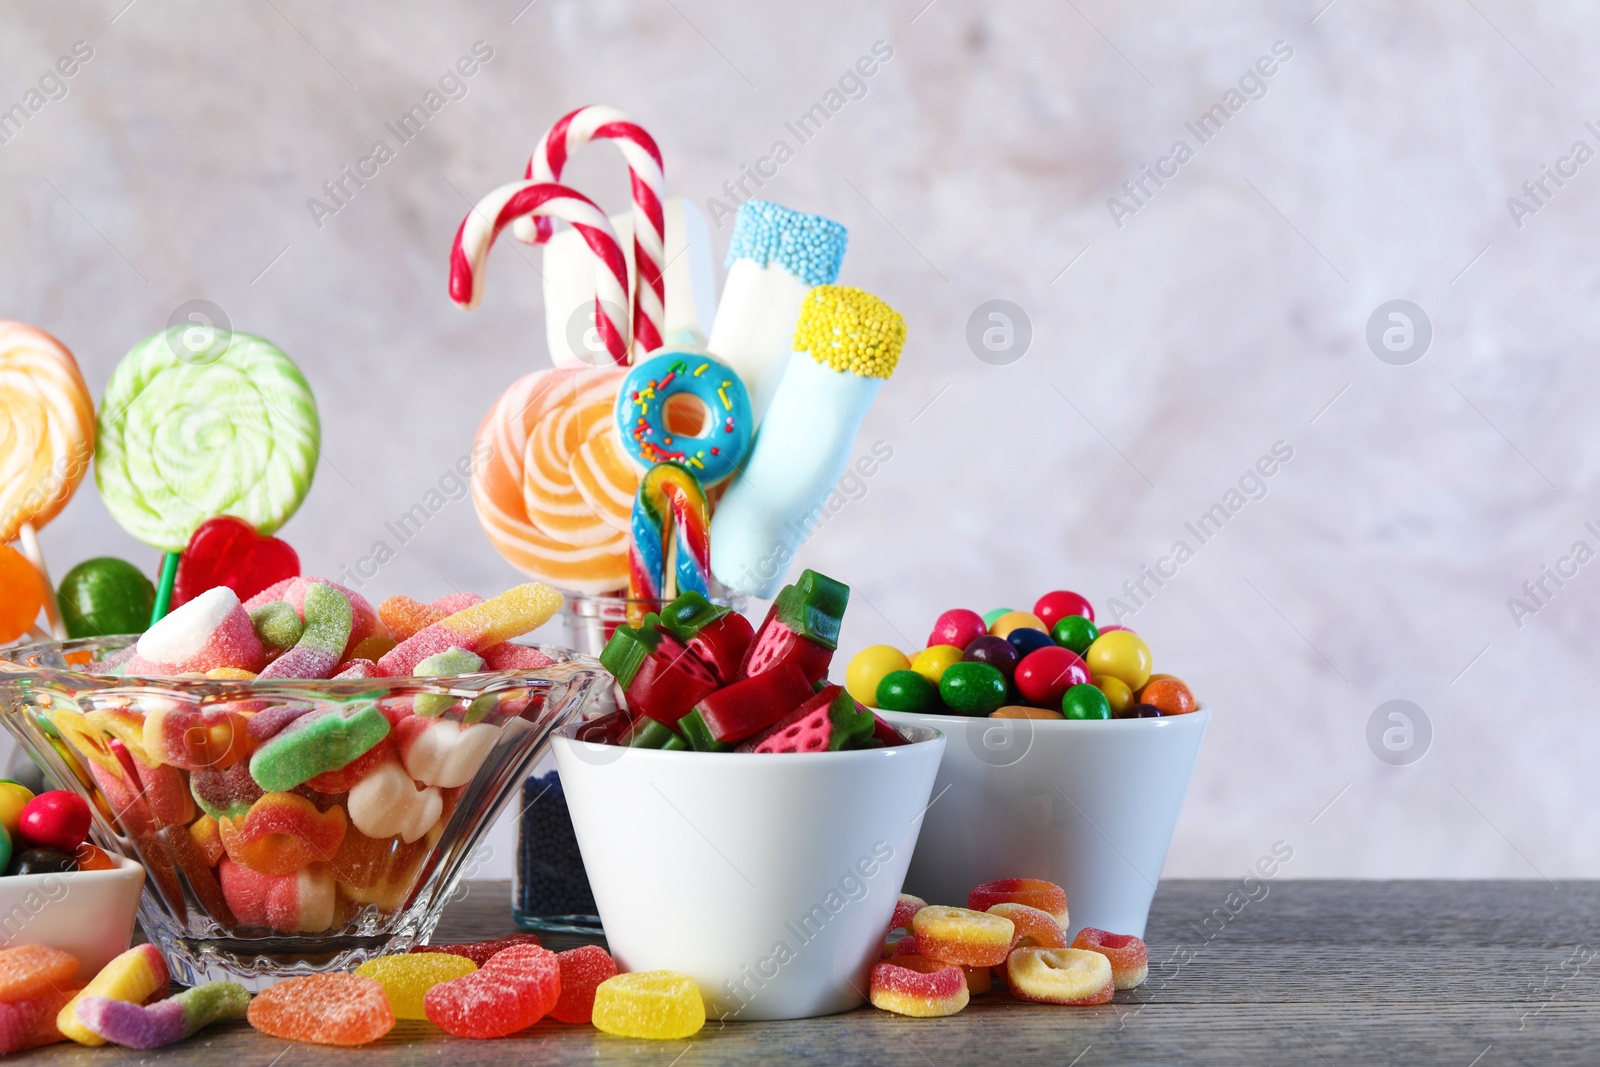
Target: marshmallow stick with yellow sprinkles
847 342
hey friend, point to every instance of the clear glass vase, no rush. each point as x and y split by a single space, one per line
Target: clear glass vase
225 899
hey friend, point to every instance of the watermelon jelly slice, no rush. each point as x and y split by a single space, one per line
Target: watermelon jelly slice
659 676
801 627
718 635
748 706
831 721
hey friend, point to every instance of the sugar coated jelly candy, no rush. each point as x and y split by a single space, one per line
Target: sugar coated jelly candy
658 1005
387 803
407 978
481 952
959 935
328 616
282 833
1059 976
30 1023
905 909
135 977
167 1021
278 625
582 972
302 902
868 667
323 1009
212 630
1034 927
1130 959
30 971
918 987
1034 892
315 743
513 990
513 613
442 752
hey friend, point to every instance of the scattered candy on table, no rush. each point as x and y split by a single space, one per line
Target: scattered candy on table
1049 663
323 1009
658 1005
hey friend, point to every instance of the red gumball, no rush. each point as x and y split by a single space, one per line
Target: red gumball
958 627
1045 674
57 819
228 551
1053 606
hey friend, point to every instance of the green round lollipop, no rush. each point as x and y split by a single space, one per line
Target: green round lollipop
105 596
200 423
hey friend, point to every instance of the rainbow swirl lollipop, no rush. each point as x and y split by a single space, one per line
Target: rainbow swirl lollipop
189 432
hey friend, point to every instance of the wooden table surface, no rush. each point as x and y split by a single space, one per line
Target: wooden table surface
1471 974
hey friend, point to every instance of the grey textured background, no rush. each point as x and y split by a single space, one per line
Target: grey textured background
1168 353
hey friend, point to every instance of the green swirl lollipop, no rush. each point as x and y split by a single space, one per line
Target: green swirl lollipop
189 431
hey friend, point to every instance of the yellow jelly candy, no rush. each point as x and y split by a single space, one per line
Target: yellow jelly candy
133 977
931 661
867 669
407 978
661 1005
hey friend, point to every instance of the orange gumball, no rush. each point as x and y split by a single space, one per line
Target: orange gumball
22 594
1169 694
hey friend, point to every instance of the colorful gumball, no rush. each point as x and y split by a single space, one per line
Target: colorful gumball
105 596
1086 702
1130 959
992 614
22 594
997 652
1119 697
1074 632
14 797
1171 695
972 688
932 661
1026 639
1057 605
1121 654
1011 620
958 627
868 667
1045 674
1140 711
56 819
906 691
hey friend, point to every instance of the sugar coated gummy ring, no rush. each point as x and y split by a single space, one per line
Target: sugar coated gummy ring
957 935
188 432
641 414
1059 976
1130 960
919 987
1034 892
1034 927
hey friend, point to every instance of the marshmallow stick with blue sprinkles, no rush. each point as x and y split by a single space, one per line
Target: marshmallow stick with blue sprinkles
846 344
776 257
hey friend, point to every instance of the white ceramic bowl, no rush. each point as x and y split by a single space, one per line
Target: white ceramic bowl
1090 806
768 879
87 913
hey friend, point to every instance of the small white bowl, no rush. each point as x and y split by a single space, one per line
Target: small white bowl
1090 806
87 913
768 879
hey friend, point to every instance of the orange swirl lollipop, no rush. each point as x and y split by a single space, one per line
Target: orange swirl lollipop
46 439
550 493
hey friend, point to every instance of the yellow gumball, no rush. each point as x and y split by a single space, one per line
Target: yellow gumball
931 661
13 798
1120 654
867 669
1118 695
1016 620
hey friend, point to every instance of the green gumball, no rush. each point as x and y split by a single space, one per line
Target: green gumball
1085 702
1074 632
972 688
906 691
105 596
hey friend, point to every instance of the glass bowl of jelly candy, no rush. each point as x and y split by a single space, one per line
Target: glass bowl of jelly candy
288 827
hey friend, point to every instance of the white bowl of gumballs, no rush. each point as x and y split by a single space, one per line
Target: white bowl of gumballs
1067 755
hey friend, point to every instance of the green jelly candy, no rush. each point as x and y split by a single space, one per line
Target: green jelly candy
628 647
1074 632
686 616
675 743
649 733
906 691
813 607
1085 701
451 661
105 596
278 625
990 616
316 743
972 688
698 734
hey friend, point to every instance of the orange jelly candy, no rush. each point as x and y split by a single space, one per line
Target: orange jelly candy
93 858
918 987
324 1009
1034 927
1059 976
1034 892
282 833
30 971
1130 960
961 936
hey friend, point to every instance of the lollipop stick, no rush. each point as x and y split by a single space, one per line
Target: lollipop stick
37 634
35 556
169 576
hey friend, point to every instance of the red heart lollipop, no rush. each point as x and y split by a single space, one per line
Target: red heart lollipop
228 551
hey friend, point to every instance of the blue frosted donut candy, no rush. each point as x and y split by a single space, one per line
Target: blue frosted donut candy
641 413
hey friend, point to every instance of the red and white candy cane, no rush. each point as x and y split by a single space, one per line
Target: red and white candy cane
495 212
549 159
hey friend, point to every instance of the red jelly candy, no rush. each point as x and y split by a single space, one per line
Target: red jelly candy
511 992
919 987
324 1009
481 952
228 551
582 971
1034 892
